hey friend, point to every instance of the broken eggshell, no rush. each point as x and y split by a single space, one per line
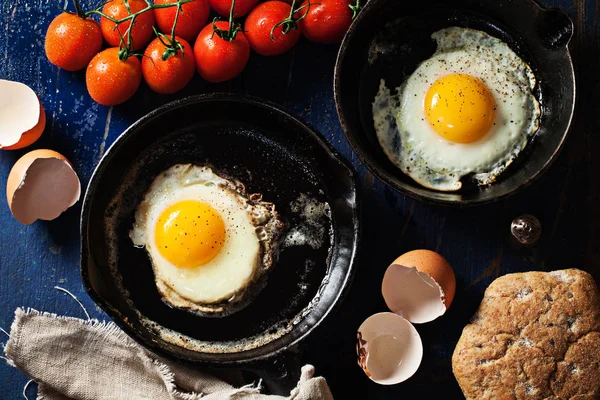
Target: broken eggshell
389 348
419 286
41 185
22 116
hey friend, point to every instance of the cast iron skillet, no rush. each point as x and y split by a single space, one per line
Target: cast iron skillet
273 153
390 38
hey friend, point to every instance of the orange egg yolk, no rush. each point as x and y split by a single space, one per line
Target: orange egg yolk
460 108
189 233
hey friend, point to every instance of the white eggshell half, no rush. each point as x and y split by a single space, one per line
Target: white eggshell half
19 111
389 348
411 294
48 188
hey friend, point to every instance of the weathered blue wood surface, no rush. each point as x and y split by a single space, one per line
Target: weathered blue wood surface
35 258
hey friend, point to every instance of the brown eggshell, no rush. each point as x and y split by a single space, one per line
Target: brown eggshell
20 111
41 185
32 135
434 265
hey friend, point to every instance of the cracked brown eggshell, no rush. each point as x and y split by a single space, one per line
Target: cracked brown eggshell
389 348
419 286
22 116
536 335
41 185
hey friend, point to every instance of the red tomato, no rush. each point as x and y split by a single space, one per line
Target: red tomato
111 81
142 28
327 20
192 17
170 75
71 41
242 7
259 24
219 60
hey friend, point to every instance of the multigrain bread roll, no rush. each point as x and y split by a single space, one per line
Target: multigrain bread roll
536 335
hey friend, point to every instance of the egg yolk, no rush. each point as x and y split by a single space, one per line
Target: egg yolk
460 108
189 233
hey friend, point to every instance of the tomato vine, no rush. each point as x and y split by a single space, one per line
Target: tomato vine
230 34
291 22
125 51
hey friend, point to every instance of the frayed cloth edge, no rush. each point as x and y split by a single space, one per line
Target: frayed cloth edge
106 330
168 378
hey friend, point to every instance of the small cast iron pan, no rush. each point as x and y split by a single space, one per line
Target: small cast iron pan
271 152
390 38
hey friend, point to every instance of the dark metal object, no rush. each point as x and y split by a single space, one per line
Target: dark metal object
273 153
526 229
390 38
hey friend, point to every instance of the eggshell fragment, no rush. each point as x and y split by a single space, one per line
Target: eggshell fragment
41 185
434 265
419 286
22 117
389 348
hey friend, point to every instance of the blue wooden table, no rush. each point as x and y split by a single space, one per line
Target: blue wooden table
34 259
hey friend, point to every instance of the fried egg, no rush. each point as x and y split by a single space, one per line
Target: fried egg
208 240
467 110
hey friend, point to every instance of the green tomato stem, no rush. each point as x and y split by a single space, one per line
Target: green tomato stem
291 23
98 11
79 10
231 33
355 8
125 43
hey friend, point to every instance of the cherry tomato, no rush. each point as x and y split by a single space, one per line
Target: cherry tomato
242 7
259 24
71 41
170 75
142 28
111 81
192 17
219 60
327 20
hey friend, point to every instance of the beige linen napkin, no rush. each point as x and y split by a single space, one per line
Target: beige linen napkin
75 359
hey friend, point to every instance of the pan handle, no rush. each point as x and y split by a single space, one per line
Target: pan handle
556 28
281 373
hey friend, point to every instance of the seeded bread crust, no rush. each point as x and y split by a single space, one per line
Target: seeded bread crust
536 335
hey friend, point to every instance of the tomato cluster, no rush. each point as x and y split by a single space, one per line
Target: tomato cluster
220 51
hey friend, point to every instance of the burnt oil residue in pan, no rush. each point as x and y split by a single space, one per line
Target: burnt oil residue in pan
264 166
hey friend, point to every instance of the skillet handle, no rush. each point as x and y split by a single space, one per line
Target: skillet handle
281 373
556 28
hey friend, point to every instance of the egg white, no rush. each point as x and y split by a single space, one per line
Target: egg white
251 227
410 142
